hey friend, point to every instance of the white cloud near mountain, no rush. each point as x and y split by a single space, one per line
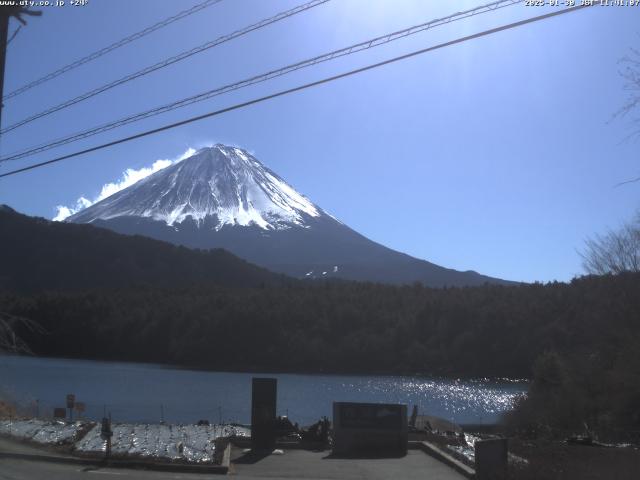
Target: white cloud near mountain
129 177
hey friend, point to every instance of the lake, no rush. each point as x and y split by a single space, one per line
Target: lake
135 392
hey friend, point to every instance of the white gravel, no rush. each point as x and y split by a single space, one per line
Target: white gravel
190 443
42 431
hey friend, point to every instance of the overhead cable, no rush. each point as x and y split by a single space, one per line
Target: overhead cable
299 88
110 48
367 44
165 63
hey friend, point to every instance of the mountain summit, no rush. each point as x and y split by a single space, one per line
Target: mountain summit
222 182
223 197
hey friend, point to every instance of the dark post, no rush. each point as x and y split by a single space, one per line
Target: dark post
106 433
414 416
71 401
263 413
491 459
4 35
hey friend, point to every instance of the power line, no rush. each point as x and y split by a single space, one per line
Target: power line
169 61
112 47
367 44
300 87
14 34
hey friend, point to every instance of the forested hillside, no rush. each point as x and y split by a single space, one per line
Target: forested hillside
350 327
37 254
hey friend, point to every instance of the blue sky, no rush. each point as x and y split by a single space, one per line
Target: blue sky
497 155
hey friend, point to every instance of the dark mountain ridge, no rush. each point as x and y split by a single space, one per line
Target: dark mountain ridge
38 254
223 197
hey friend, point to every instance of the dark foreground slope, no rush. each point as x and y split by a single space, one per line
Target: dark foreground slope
36 254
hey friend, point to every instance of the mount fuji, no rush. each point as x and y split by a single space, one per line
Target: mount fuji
223 197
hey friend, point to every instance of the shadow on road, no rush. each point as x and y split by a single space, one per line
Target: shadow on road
252 456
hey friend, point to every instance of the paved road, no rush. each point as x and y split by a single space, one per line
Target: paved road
320 466
31 470
412 466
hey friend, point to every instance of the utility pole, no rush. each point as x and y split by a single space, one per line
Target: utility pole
4 36
6 12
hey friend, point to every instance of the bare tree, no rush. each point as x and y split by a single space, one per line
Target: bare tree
616 252
631 74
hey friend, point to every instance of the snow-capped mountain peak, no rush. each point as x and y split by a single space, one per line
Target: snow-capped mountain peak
222 182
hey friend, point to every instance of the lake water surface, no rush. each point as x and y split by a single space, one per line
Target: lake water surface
135 392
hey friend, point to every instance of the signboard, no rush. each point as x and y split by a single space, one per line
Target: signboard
367 415
371 428
59 413
263 413
80 407
71 399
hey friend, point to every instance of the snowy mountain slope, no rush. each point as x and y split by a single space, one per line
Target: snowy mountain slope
223 182
223 197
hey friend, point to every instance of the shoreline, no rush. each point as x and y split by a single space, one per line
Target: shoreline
264 371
